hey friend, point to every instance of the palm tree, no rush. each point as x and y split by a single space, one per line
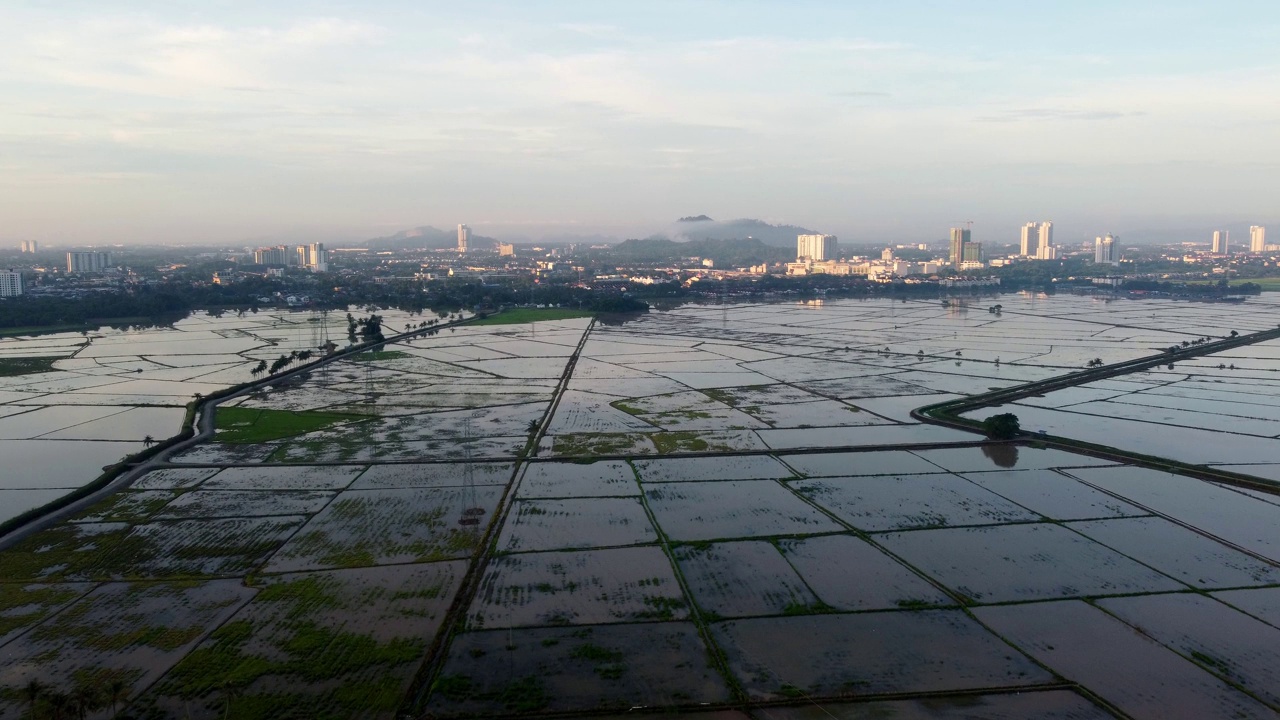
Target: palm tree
87 699
148 441
58 702
116 691
33 691
229 691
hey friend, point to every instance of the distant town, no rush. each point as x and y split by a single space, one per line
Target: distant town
418 269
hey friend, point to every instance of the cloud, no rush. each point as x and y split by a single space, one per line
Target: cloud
1033 114
595 30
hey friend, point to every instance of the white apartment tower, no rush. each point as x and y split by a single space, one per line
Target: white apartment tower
1106 251
317 258
10 283
1030 240
30 246
1257 239
464 237
1220 242
1047 250
816 247
86 262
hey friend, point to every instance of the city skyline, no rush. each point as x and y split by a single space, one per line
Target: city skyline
326 123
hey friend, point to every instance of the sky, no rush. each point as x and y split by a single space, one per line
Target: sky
237 122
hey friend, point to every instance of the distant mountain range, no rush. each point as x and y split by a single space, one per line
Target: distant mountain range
423 237
725 253
686 229
701 227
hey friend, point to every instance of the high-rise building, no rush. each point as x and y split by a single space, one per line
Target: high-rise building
464 237
1220 242
317 257
1257 239
299 257
972 253
10 283
506 250
886 254
1046 242
1030 240
1106 251
816 247
278 255
959 238
87 262
30 246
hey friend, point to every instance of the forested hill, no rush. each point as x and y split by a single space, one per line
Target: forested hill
725 253
704 228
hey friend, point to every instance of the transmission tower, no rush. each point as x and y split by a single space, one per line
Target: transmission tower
471 510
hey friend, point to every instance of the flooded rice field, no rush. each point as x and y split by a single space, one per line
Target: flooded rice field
723 511
111 392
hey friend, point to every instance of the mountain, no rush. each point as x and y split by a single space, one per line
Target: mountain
725 253
423 237
741 229
695 218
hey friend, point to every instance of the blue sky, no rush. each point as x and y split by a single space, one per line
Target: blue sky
224 121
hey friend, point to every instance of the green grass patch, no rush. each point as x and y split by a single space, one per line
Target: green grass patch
377 355
595 653
1266 283
10 367
311 653
528 315
25 605
1269 283
523 695
593 444
624 407
684 441
661 608
1220 666
256 425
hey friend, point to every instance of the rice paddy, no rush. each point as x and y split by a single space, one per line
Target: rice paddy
723 511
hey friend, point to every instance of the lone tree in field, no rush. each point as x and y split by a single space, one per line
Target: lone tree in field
1001 427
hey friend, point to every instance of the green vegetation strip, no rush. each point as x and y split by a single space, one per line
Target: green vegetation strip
528 315
9 367
45 329
255 425
377 355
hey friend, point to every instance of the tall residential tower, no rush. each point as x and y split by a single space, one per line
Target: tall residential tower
959 238
816 247
1030 240
1106 251
1257 239
1220 242
464 237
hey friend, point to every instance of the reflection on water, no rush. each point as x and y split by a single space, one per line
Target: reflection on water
1005 456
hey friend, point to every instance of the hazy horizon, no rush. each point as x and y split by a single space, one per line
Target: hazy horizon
176 123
